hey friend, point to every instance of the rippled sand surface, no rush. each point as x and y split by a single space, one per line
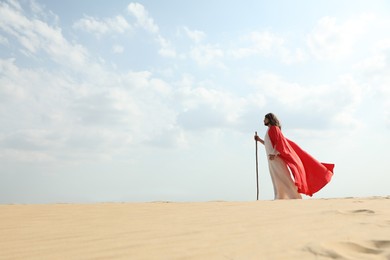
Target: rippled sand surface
347 228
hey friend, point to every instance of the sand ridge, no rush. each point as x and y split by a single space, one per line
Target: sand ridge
345 228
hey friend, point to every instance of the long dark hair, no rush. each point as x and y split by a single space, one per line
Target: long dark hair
273 120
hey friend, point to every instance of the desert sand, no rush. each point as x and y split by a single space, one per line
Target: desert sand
345 228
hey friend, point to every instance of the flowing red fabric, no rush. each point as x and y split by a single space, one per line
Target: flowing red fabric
309 174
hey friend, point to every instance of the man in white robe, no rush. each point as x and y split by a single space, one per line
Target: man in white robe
287 160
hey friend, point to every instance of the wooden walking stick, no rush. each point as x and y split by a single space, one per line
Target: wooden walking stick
257 169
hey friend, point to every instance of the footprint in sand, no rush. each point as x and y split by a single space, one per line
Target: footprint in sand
362 211
357 248
353 212
381 244
321 250
351 250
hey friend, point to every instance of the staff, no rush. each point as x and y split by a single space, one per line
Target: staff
257 169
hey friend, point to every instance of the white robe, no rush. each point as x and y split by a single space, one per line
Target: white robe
284 187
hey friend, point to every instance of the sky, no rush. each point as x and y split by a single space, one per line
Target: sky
121 101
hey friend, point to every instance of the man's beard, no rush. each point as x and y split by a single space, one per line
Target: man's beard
266 124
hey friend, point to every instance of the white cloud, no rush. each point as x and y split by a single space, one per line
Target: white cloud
209 109
331 40
195 35
117 49
106 114
208 55
144 21
117 24
378 59
8 90
264 42
3 40
372 64
292 56
40 12
143 18
18 155
260 43
267 44
334 103
374 73
35 35
166 48
15 4
349 94
203 106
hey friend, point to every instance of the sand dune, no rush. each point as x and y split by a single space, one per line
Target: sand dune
348 228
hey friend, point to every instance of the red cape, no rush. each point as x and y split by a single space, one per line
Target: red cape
309 174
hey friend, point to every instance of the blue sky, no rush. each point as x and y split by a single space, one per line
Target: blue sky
159 100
